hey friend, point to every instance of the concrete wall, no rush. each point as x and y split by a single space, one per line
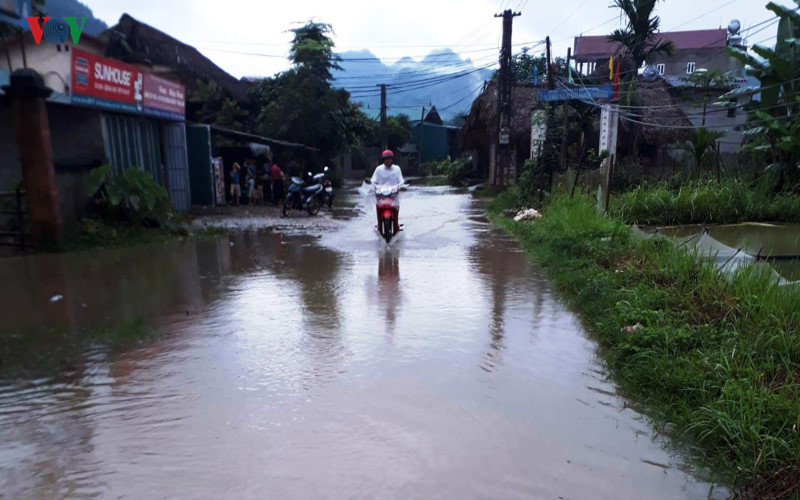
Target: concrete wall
51 61
710 59
77 142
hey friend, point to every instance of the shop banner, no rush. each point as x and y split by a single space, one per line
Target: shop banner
105 83
114 85
163 97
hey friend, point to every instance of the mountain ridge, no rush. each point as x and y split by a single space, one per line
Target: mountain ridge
441 78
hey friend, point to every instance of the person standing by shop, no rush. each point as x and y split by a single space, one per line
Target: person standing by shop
236 187
264 180
276 174
251 180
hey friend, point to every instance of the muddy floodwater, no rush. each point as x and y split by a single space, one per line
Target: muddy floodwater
317 363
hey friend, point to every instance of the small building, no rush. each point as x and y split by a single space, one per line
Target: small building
438 140
102 111
479 134
693 50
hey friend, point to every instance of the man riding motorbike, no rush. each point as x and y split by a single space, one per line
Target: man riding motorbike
387 174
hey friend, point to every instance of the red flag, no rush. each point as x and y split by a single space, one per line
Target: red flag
616 81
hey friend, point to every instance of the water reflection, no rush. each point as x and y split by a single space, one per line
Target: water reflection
304 369
389 291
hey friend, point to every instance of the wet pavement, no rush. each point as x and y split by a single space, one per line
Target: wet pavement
318 363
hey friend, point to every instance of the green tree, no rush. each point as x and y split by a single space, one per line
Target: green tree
708 81
208 103
399 130
640 35
702 143
301 105
524 66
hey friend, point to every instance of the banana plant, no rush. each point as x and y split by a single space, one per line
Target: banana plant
774 126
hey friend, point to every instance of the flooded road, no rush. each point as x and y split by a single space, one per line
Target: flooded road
324 365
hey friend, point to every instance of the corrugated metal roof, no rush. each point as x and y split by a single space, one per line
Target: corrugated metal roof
599 46
258 139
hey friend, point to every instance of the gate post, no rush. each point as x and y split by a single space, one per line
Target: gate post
28 93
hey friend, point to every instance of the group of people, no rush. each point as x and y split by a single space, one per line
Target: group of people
259 184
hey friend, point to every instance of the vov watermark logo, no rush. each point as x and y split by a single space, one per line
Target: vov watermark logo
56 31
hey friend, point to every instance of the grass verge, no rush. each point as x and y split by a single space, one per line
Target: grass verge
51 351
715 360
93 233
705 202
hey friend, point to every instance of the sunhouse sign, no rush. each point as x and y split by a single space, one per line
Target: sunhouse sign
110 84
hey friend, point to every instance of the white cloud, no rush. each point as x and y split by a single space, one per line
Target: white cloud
394 29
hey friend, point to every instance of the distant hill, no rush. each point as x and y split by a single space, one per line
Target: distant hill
63 8
411 83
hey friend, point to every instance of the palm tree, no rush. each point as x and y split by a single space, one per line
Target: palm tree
640 36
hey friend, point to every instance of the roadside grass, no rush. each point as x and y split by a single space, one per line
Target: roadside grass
93 233
51 351
704 202
716 362
435 181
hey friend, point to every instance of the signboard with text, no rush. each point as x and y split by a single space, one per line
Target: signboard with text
116 86
163 98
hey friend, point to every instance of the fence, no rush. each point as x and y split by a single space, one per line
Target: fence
14 233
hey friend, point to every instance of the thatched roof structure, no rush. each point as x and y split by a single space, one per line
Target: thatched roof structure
159 49
654 105
482 122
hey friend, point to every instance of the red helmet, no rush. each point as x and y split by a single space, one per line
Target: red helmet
387 154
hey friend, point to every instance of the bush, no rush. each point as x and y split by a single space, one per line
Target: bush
132 197
457 172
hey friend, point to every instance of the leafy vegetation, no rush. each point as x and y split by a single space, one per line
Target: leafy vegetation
132 197
208 103
528 68
702 145
715 361
640 35
705 202
130 209
301 104
775 124
457 172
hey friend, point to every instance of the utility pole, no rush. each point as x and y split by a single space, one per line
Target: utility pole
503 160
551 81
566 123
419 141
384 125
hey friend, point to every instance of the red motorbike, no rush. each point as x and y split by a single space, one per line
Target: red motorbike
388 208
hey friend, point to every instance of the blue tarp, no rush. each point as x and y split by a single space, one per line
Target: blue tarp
580 93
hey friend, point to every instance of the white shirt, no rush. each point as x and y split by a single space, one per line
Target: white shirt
391 176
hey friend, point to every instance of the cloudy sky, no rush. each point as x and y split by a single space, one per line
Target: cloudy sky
231 32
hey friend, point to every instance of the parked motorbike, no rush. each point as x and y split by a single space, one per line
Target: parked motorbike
328 194
388 209
306 196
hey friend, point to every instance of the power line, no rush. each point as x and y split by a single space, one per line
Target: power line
568 17
704 14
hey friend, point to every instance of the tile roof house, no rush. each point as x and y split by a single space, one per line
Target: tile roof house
693 50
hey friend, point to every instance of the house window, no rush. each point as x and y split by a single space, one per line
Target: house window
662 68
690 67
58 48
66 48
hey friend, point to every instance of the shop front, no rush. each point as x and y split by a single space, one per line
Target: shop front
142 119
